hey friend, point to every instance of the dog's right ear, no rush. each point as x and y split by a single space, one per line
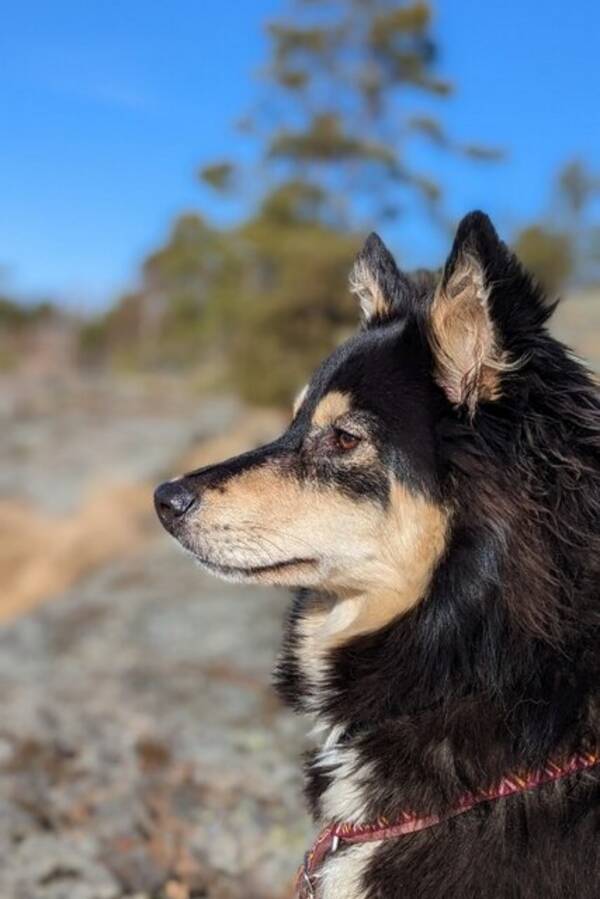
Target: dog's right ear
468 350
377 282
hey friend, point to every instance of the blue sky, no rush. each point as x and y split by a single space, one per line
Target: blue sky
108 109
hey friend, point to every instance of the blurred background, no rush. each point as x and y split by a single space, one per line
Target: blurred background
183 189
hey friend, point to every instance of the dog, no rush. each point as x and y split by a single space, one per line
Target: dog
435 504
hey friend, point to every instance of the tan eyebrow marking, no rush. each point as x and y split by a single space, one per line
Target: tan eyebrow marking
332 406
299 400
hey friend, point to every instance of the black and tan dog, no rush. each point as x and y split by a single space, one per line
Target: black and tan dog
436 501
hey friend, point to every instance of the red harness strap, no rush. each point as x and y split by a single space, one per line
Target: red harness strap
334 834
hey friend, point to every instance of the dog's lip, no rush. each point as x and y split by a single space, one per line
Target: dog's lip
254 570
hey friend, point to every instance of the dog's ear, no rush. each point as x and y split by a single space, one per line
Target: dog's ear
380 286
468 351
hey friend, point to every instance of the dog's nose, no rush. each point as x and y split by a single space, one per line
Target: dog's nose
172 500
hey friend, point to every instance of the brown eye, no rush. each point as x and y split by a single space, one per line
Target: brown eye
344 440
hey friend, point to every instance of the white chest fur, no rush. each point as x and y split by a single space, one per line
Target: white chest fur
342 876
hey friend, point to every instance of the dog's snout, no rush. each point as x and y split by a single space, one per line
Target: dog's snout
172 500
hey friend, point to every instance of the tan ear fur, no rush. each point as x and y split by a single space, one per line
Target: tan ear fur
376 280
365 285
467 355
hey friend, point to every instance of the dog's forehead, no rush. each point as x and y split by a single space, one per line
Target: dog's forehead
357 369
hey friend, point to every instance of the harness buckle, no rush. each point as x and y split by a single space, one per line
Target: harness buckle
307 884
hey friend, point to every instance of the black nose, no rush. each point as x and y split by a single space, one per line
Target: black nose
172 500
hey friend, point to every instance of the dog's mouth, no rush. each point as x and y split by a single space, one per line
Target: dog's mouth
283 569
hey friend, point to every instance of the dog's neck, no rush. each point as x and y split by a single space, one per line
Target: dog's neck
320 625
439 701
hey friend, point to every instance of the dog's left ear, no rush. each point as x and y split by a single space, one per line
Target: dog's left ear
469 357
378 283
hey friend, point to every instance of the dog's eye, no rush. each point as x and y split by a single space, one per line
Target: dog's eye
344 440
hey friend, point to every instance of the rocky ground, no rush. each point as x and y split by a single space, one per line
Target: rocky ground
142 751
62 436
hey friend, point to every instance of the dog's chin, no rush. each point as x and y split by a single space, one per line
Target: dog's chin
288 573
294 572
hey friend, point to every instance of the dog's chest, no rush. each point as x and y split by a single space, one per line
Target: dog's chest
340 779
346 782
344 874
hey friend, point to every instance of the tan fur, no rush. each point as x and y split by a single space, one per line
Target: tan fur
264 516
371 563
364 284
468 358
394 579
411 541
331 407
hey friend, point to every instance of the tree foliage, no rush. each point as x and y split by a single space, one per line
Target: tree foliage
340 108
19 322
344 85
15 316
565 248
547 254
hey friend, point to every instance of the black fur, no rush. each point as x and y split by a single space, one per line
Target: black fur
497 669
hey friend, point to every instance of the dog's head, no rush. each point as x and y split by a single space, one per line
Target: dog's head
352 497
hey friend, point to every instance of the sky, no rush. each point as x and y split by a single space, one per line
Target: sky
108 109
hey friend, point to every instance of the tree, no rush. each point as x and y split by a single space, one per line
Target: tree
167 320
546 254
565 248
340 108
295 304
338 114
577 189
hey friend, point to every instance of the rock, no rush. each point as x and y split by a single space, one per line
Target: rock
132 863
52 867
